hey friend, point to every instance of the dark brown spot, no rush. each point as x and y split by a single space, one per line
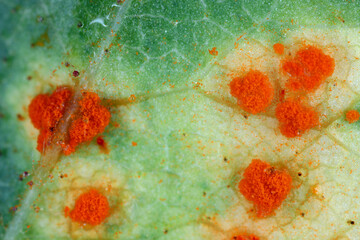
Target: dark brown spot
13 209
299 174
29 78
106 50
302 214
204 194
245 116
166 231
351 222
225 159
80 25
67 64
31 183
20 117
271 170
76 73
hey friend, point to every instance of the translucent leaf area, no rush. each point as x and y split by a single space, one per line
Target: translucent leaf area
178 142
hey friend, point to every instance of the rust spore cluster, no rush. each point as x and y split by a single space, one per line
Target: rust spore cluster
91 207
265 186
46 111
305 73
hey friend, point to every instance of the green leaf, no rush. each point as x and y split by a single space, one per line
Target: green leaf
178 142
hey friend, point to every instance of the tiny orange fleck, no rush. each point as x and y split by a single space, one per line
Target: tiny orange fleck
352 116
279 48
213 51
132 98
134 144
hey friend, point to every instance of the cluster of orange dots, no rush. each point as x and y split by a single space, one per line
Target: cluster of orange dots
46 110
305 72
265 186
91 207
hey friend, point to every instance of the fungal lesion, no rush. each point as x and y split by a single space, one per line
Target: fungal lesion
63 193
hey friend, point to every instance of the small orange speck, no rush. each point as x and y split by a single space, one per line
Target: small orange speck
134 144
279 48
213 51
67 211
352 116
132 98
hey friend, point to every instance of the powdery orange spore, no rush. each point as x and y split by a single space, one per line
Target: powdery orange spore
315 61
36 109
91 121
244 237
253 91
265 186
309 69
45 112
352 116
279 48
295 119
90 207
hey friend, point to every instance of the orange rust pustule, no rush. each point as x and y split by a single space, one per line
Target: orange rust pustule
91 121
45 111
253 91
37 108
90 207
245 237
309 69
279 48
265 186
352 116
295 119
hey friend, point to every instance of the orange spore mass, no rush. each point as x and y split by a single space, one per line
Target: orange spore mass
92 120
90 207
279 48
315 61
352 116
294 118
309 69
242 237
37 108
265 186
45 111
253 91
